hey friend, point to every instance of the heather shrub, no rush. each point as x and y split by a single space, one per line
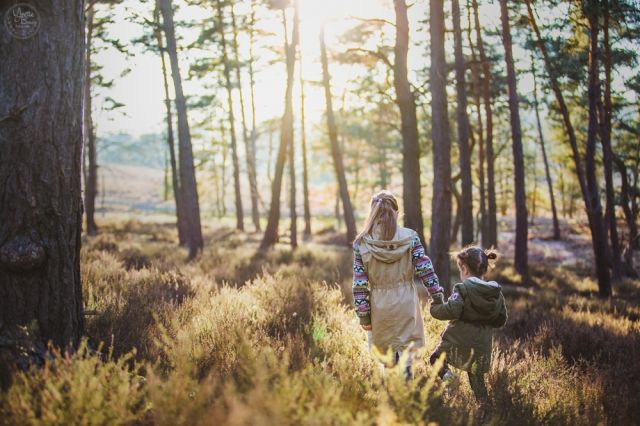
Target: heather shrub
242 337
80 388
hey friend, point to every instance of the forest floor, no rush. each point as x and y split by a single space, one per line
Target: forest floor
243 337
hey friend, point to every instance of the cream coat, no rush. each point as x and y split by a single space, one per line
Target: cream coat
396 317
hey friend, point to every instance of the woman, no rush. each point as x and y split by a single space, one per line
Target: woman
387 259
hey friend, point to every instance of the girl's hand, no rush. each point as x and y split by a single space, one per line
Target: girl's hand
366 327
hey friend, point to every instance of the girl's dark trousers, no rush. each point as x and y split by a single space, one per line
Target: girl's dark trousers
476 378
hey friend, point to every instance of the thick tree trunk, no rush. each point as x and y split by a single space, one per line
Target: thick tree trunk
492 221
91 183
521 255
592 204
336 152
286 135
441 202
188 185
547 172
305 169
607 154
411 190
232 120
40 174
464 153
180 220
251 172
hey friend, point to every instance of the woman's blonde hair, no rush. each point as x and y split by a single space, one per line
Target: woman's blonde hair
384 213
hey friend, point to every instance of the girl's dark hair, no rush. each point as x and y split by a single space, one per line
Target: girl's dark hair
477 260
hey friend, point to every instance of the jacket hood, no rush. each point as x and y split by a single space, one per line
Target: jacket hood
387 251
483 299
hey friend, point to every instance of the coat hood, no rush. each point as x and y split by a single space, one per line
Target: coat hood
387 251
484 301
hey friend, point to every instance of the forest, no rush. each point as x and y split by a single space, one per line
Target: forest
182 183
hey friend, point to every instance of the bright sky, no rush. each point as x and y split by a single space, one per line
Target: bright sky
141 90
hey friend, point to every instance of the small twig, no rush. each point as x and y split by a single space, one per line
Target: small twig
14 113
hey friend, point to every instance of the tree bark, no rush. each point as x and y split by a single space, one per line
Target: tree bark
441 202
465 207
232 120
607 153
336 152
521 255
629 216
482 225
252 85
491 238
251 171
188 185
599 235
180 220
293 214
305 169
40 174
411 190
547 172
91 184
286 134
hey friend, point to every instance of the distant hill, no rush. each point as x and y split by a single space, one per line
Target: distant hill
122 148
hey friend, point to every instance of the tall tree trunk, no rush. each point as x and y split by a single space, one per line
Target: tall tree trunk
336 152
475 73
232 120
552 198
599 234
251 172
585 175
492 221
441 202
180 219
305 170
188 186
252 85
521 255
466 200
225 155
91 184
629 216
607 153
40 174
286 134
411 190
293 214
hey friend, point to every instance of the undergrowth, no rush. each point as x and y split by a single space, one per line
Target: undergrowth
239 338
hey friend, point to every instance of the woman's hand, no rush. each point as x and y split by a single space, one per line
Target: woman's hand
366 327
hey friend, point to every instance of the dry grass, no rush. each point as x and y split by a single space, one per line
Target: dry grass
239 338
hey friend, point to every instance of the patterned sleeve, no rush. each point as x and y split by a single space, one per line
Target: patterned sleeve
424 267
360 288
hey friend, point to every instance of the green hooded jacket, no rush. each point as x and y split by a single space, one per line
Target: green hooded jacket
474 308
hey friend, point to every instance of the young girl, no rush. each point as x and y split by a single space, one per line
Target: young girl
387 258
474 308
